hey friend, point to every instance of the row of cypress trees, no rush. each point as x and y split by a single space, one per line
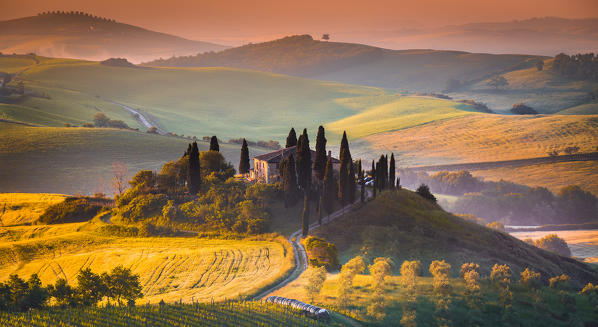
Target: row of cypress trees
384 174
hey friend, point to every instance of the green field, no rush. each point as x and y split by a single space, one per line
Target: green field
170 268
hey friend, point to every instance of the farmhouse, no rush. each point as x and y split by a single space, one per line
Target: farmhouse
265 166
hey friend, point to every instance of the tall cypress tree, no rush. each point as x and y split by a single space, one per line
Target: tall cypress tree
304 163
391 172
289 182
320 159
345 182
291 139
330 188
214 146
244 162
375 177
351 187
361 182
305 216
194 171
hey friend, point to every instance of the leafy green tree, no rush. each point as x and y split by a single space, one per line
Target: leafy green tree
244 162
18 292
316 276
291 139
424 191
194 170
91 287
122 284
37 296
214 146
321 157
63 293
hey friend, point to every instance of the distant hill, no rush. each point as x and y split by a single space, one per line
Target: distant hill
413 70
84 36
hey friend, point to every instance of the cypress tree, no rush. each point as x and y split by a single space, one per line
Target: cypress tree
351 187
305 215
329 191
291 139
244 162
391 172
320 208
304 163
375 177
289 182
344 176
361 182
214 144
194 171
320 158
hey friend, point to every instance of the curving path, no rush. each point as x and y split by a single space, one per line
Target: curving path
299 249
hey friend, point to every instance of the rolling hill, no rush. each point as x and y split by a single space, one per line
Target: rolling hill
84 36
411 70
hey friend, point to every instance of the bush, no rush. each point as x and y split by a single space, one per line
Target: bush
321 253
560 282
522 109
424 191
496 226
72 209
591 292
530 279
555 244
143 206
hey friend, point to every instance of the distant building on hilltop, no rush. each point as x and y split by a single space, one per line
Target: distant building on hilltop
265 166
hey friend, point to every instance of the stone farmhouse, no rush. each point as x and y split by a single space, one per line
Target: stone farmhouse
265 166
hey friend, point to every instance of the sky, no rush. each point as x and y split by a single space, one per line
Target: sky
237 22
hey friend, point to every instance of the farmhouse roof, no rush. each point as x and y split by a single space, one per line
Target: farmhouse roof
278 155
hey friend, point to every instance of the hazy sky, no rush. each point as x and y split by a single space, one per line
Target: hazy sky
235 22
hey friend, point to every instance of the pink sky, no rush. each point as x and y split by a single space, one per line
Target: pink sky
235 22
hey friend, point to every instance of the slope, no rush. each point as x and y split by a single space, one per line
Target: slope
301 55
405 226
81 35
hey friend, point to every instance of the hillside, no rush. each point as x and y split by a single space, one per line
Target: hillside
23 208
80 35
405 226
412 70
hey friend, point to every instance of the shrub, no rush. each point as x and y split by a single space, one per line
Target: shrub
143 206
530 279
496 226
591 292
409 272
560 282
379 270
72 209
501 275
555 244
424 191
441 271
522 109
321 253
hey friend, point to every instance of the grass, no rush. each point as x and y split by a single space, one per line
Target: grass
237 314
79 160
552 176
534 309
22 208
170 268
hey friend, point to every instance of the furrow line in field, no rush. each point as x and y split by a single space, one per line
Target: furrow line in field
206 270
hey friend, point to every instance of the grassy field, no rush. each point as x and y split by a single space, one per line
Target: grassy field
552 176
170 268
22 208
230 314
486 137
531 313
79 160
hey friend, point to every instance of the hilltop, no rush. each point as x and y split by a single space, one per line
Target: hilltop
81 35
404 226
301 55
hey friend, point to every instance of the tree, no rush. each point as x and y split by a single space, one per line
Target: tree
360 178
321 157
326 37
36 294
391 172
119 180
291 139
90 287
305 216
244 162
347 275
214 146
424 191
289 182
379 270
539 64
303 162
346 181
315 281
409 272
122 284
101 120
497 82
63 293
441 271
555 244
329 190
375 176
194 171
